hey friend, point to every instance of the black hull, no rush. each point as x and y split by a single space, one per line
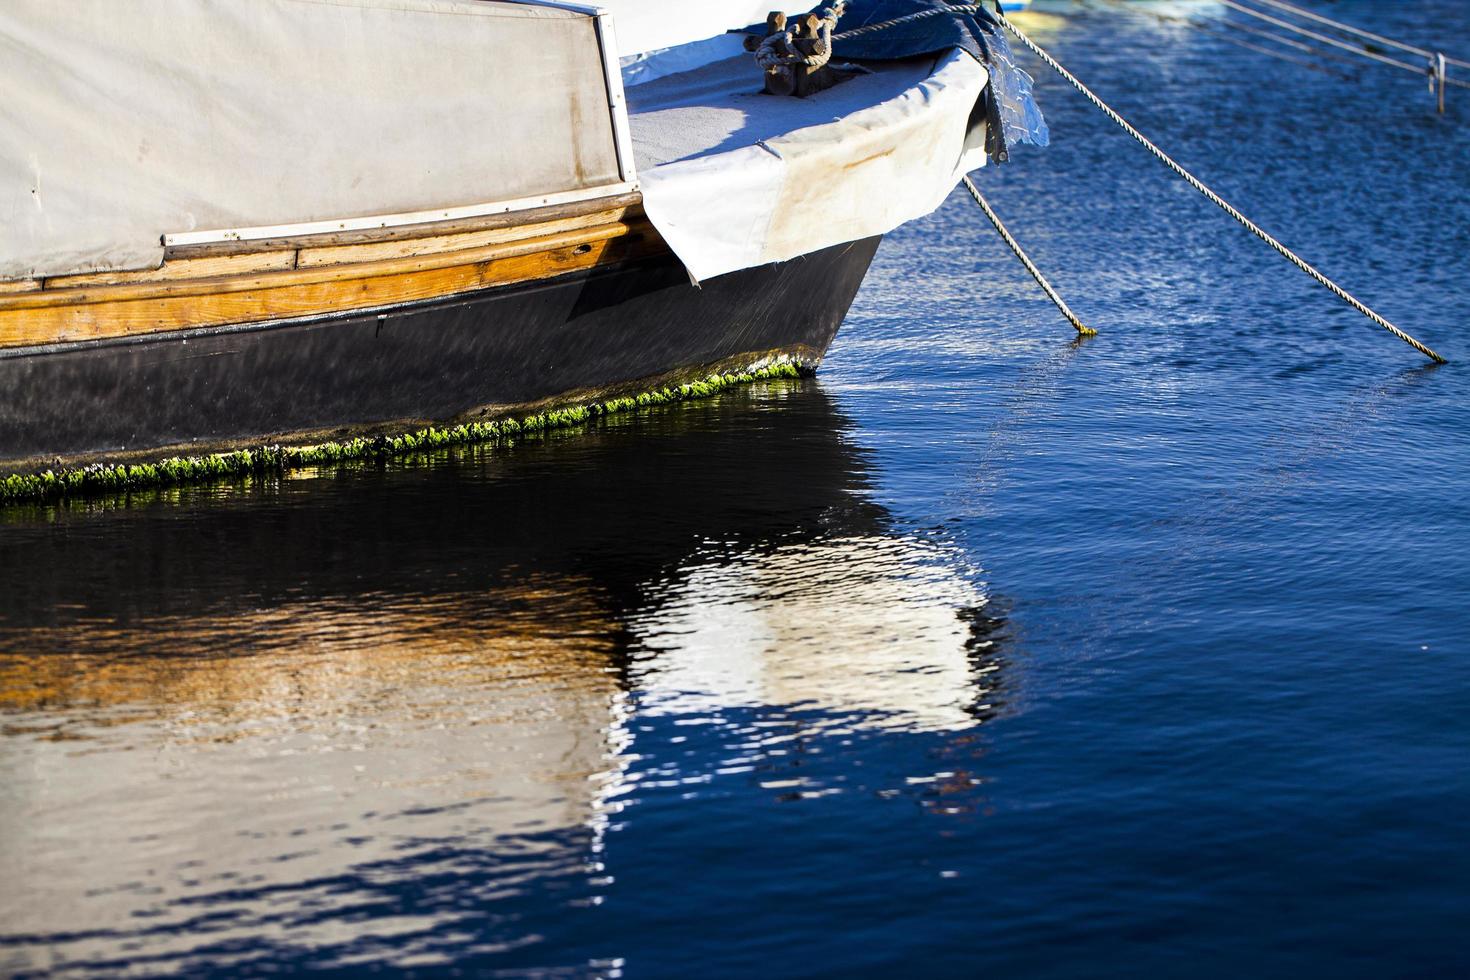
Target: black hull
578 337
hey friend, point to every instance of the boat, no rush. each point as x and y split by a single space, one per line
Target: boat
284 231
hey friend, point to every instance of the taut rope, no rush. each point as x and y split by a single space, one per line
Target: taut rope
1216 199
1061 304
959 8
1164 158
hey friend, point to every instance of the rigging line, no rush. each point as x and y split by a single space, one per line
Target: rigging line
1204 27
1279 39
1457 82
1349 29
1046 287
1216 199
1272 53
1276 38
1335 42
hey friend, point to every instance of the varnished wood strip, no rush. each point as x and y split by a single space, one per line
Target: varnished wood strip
266 298
197 268
20 286
210 266
529 216
291 277
400 248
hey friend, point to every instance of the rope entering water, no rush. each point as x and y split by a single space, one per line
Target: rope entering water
1216 199
1164 158
1046 287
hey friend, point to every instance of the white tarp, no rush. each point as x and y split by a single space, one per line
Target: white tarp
733 179
124 120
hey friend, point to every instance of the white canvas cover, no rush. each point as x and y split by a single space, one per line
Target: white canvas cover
124 120
733 178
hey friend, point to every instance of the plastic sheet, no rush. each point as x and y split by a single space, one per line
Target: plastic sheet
1020 117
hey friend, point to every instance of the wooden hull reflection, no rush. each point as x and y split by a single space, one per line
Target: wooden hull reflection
221 712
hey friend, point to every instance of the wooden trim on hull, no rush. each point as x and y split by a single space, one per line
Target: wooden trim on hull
322 275
621 203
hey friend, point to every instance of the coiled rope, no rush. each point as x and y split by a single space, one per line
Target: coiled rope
1056 298
1164 158
778 50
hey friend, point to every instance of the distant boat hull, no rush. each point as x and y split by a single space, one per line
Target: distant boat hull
604 331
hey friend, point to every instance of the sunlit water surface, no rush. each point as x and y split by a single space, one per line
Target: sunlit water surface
985 652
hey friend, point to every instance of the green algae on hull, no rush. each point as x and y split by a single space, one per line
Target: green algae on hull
105 478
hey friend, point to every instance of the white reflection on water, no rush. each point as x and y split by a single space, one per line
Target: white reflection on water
866 627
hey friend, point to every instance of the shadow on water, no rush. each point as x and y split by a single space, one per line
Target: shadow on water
388 716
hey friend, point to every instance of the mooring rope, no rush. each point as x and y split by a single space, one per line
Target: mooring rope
1164 158
1216 199
1046 287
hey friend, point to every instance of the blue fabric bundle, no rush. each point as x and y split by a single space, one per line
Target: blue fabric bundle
1010 109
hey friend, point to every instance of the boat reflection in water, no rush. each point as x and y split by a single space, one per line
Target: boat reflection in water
390 716
869 629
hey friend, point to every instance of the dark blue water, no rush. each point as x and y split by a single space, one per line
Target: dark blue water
985 652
